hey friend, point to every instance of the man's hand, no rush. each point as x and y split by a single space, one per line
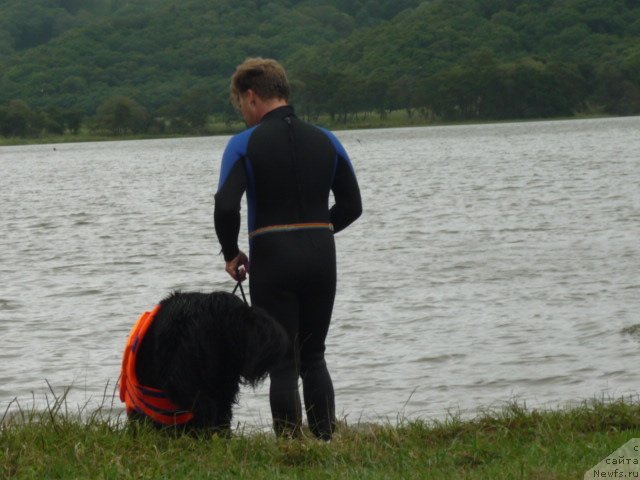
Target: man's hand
238 267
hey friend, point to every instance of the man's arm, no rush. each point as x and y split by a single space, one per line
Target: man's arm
346 192
226 213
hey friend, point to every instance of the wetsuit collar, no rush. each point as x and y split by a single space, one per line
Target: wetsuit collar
280 112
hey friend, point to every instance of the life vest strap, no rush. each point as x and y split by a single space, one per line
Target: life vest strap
149 401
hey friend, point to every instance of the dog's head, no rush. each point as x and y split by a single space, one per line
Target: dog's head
260 340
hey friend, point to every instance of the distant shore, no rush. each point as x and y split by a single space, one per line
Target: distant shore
395 119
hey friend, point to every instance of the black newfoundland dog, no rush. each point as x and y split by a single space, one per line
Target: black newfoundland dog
184 361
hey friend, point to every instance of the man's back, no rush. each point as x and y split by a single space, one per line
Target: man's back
287 168
290 167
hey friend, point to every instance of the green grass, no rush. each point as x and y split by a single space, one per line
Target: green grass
511 443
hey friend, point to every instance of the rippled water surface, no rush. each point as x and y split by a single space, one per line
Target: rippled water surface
492 263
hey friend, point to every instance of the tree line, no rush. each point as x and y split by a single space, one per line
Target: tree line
152 66
117 115
480 88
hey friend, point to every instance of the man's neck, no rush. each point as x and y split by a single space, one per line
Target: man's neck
266 106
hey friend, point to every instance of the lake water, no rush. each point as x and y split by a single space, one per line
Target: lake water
492 263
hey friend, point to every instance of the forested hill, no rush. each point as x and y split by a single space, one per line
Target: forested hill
453 59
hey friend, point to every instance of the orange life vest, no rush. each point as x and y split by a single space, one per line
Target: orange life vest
146 400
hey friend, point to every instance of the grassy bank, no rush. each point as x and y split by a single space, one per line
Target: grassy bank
88 136
395 119
513 443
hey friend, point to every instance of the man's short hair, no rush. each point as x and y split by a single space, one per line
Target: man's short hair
265 76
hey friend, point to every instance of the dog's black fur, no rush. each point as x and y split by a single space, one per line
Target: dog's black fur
201 347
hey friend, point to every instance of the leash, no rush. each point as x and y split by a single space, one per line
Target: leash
239 284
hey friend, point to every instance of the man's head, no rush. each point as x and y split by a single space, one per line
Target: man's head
265 76
257 86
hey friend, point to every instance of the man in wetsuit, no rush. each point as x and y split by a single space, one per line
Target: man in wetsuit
288 169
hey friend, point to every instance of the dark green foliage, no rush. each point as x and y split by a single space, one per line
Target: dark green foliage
450 59
17 119
191 111
121 115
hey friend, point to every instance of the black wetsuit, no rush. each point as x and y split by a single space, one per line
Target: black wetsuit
288 168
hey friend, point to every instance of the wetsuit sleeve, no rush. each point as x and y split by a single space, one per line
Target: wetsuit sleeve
226 215
346 192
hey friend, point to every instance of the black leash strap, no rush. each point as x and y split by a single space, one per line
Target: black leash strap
239 284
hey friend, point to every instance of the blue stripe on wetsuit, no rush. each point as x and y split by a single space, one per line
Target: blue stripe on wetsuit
342 153
237 151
